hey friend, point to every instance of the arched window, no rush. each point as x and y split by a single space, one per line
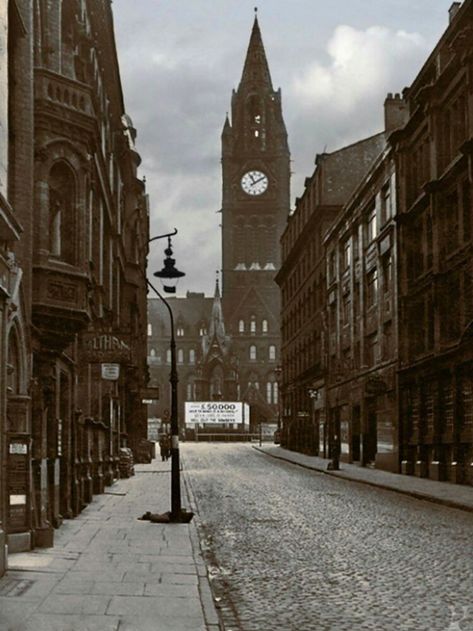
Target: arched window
180 356
180 331
241 326
264 326
150 329
168 356
272 352
253 324
62 213
253 352
191 356
152 353
272 392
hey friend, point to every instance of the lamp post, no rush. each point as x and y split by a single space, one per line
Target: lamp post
169 276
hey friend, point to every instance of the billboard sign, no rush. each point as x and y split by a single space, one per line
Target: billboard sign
216 412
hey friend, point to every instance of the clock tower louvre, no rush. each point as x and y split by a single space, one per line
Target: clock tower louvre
255 207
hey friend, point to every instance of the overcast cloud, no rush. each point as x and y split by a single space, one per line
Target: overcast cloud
180 59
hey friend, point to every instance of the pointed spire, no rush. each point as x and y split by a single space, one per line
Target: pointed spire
256 69
227 128
217 327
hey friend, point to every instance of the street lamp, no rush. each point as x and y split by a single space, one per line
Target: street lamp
169 276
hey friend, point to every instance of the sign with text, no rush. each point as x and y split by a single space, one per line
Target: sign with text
18 487
105 348
212 412
110 372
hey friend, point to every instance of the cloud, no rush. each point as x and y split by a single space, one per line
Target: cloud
340 100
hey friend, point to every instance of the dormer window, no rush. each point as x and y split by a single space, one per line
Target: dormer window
180 331
253 324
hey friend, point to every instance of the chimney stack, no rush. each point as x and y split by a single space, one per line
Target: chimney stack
395 112
453 10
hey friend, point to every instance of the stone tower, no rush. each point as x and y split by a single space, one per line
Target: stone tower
255 206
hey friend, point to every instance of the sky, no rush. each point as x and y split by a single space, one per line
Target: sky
334 60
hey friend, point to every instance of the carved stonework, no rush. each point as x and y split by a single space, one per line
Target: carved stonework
62 292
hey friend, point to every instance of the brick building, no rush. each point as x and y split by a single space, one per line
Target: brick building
435 162
362 306
392 374
74 245
303 281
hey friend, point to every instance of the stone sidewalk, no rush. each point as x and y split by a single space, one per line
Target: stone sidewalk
446 493
109 571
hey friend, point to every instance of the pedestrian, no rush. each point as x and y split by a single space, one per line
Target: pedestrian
164 447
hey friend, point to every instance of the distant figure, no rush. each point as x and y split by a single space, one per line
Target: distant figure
164 446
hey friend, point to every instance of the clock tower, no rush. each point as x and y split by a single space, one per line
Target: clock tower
255 207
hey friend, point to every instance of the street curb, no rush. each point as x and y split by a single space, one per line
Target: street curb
378 485
212 616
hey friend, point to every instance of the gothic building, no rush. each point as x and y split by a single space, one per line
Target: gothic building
255 206
234 341
74 233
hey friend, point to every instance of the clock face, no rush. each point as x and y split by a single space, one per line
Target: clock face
254 182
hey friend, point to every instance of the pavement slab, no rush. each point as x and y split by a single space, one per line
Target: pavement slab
110 571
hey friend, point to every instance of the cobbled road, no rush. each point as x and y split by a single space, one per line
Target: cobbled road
292 549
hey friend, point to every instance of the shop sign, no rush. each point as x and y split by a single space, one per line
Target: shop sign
18 489
150 394
110 372
105 348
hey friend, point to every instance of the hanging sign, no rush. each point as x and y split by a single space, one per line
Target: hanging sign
110 372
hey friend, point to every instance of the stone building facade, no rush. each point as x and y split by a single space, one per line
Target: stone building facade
74 246
435 160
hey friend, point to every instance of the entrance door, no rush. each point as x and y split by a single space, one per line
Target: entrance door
370 439
355 434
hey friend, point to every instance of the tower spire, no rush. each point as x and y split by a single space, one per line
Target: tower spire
256 69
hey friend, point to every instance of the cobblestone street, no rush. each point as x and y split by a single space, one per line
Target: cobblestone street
293 549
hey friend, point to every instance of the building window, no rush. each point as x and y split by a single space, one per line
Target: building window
386 212
346 254
371 288
371 225
264 326
253 324
191 356
180 331
168 356
202 330
272 392
332 267
152 353
241 326
272 352
180 356
62 214
371 343
387 274
253 352
150 329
